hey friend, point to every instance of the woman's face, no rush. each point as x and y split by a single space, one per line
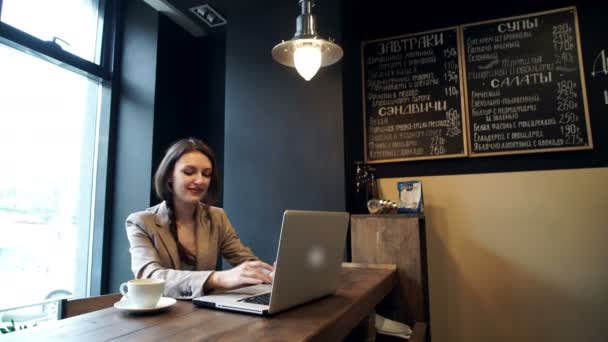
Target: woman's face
191 177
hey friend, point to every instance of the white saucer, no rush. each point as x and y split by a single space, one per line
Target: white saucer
389 327
164 302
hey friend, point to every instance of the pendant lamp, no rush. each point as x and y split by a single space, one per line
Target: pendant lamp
306 51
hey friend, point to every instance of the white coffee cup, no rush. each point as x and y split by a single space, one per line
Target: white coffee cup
143 293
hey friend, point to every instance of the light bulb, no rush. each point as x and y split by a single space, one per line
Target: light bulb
307 59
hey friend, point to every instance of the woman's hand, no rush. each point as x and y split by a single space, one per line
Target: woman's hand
271 274
247 273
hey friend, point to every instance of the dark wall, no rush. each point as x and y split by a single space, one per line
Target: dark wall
171 87
283 135
214 64
133 133
189 92
364 21
280 139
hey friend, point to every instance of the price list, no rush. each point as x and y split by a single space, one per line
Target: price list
412 97
524 85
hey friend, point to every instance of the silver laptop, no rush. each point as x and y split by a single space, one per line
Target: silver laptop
309 258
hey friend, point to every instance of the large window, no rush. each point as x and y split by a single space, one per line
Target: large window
52 114
73 24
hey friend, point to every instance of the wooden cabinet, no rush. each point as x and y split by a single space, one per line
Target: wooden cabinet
396 239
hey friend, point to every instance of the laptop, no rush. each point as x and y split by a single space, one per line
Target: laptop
309 258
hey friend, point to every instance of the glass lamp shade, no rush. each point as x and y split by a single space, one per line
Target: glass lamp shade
307 60
306 51
310 51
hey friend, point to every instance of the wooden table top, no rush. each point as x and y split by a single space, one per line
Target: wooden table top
328 319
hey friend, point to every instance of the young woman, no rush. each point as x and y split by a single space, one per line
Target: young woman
181 239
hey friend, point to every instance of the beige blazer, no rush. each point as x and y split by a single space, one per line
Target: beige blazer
154 250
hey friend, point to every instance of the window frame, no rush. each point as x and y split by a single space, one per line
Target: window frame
53 53
104 74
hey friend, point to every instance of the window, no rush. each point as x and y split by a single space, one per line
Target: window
73 23
53 111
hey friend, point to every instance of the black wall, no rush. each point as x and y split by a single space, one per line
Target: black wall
283 135
171 87
279 138
189 90
131 137
384 18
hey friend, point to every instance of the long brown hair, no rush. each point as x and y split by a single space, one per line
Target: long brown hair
164 172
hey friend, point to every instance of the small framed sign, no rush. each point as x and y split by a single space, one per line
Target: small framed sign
410 197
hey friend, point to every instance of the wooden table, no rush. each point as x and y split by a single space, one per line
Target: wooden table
328 319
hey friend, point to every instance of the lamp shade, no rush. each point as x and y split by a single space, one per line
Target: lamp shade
305 51
284 51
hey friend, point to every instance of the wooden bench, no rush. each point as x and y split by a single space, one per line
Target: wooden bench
74 307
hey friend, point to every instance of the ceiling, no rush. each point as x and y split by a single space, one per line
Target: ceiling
226 8
223 7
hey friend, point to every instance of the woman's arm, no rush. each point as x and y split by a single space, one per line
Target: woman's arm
247 273
249 269
231 247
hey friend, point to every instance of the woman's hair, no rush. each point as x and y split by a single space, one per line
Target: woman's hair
163 186
164 172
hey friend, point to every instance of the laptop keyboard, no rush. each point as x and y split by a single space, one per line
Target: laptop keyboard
263 299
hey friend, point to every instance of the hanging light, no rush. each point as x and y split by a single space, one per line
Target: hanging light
305 51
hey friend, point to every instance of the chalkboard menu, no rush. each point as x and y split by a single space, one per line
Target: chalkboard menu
524 84
412 97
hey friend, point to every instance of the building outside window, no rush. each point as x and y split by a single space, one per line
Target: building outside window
54 118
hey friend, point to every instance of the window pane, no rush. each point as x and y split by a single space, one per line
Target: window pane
48 119
74 21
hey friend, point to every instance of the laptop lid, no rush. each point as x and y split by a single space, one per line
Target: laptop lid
309 257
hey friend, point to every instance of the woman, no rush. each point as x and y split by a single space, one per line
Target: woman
180 239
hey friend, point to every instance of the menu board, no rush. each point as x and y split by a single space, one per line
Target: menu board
524 84
412 97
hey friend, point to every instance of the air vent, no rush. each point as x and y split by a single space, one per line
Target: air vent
210 16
